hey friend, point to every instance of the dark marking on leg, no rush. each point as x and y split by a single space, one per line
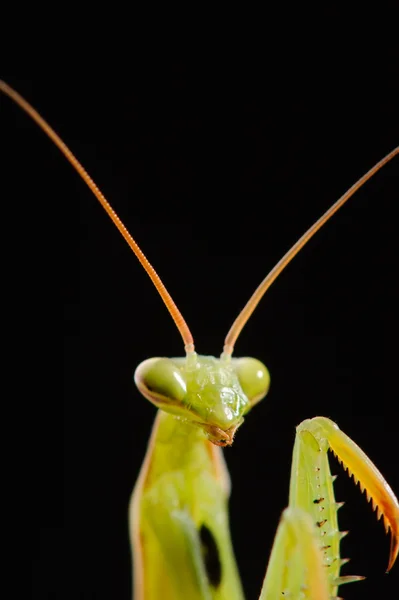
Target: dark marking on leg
210 554
318 500
321 523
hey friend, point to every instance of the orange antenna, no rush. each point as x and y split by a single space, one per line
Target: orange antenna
252 303
156 280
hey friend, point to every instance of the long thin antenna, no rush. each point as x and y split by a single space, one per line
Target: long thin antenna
156 280
252 303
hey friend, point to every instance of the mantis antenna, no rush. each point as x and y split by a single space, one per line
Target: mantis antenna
176 315
156 280
254 300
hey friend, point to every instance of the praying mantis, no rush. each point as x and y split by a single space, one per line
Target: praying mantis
288 516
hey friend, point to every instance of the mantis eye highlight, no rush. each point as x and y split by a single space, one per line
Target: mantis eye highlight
160 381
254 378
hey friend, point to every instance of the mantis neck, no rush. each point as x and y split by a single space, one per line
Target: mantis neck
178 445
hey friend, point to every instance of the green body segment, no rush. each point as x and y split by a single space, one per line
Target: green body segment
311 489
296 568
179 518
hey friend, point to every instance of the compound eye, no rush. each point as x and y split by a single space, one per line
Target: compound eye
160 380
254 378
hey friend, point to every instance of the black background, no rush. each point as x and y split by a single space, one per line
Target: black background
216 169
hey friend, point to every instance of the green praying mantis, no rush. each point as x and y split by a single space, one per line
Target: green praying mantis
178 514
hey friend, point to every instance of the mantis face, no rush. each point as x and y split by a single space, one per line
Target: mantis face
212 393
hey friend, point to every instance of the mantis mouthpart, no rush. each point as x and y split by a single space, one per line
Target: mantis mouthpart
179 524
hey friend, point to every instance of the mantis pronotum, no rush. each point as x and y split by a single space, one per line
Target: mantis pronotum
203 591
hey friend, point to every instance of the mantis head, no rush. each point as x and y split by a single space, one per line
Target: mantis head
212 393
